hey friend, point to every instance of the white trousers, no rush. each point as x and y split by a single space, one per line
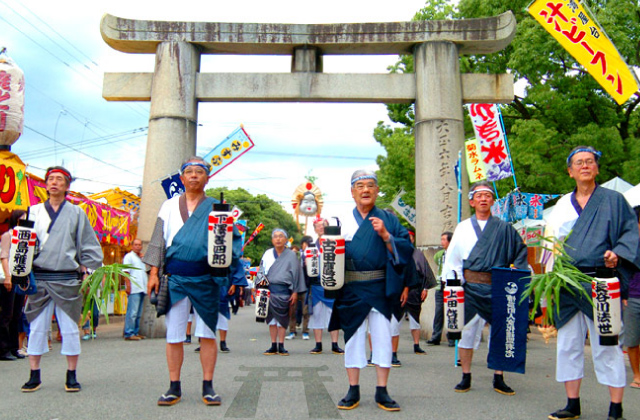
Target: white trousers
413 324
223 323
472 334
355 352
276 323
40 327
395 325
319 319
608 361
176 322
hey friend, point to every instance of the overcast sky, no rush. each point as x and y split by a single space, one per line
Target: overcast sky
59 48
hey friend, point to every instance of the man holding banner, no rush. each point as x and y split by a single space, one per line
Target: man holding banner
601 230
479 244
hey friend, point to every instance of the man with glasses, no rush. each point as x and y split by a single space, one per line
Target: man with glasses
178 247
600 231
478 244
377 250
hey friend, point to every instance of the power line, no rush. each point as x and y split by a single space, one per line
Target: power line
313 156
44 34
59 35
81 152
56 56
98 141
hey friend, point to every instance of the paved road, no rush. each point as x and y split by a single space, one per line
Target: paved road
123 379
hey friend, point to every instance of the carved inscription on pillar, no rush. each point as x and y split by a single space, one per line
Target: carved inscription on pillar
445 169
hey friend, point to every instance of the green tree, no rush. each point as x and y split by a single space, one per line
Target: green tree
258 209
563 106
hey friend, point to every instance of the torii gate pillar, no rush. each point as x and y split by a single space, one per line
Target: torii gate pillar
439 134
172 122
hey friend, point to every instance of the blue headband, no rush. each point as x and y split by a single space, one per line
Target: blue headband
483 188
361 177
596 153
279 230
200 164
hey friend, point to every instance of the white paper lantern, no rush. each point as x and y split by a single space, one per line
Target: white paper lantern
11 100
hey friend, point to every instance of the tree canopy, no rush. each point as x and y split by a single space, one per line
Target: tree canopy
258 209
562 107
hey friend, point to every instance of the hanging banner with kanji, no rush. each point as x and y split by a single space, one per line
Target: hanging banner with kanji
518 206
578 33
14 192
111 225
475 166
228 150
487 124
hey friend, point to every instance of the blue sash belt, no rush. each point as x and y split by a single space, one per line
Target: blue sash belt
187 268
279 289
47 275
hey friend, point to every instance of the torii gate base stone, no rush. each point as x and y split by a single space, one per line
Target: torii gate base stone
438 89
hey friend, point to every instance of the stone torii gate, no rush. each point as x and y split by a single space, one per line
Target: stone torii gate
437 88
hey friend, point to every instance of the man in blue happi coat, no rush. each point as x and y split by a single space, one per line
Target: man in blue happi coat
377 250
178 247
601 232
479 244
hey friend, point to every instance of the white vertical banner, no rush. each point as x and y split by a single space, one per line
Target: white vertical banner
408 212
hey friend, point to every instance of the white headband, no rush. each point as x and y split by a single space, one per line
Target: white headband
471 193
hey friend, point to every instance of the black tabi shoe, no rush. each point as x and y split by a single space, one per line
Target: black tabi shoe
384 401
615 411
34 382
335 349
17 354
571 411
465 383
172 396
370 363
281 350
563 414
351 400
224 348
501 387
317 349
72 385
418 350
273 350
395 362
209 396
433 343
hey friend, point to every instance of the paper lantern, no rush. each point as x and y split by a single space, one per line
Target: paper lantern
11 100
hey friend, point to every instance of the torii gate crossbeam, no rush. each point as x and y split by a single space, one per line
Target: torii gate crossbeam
437 88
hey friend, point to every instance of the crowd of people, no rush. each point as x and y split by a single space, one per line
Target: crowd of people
386 279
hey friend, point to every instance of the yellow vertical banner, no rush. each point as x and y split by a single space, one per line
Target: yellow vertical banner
578 33
475 165
14 192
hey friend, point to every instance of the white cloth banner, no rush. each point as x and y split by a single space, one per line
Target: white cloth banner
408 212
493 142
